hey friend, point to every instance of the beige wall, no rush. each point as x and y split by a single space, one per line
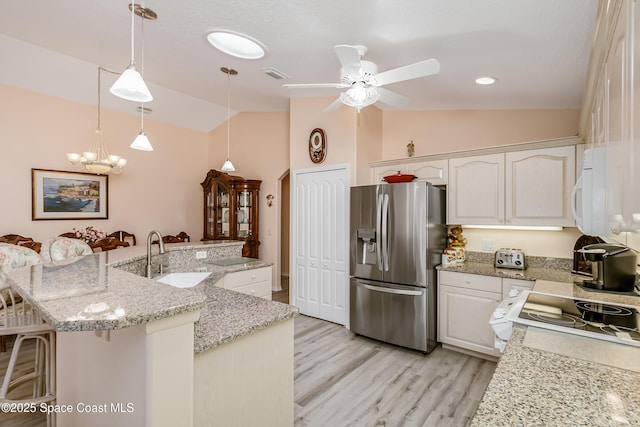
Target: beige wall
259 147
339 127
157 190
368 143
436 132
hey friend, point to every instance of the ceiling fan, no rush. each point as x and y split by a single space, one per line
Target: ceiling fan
364 83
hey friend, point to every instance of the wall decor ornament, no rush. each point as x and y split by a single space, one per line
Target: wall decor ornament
68 195
317 146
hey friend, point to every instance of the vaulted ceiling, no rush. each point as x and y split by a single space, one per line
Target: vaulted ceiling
537 49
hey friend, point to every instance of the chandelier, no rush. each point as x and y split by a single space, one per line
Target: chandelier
98 160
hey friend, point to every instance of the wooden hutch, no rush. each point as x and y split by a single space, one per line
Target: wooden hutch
231 210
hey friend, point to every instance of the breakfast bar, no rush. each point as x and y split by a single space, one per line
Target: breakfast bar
134 351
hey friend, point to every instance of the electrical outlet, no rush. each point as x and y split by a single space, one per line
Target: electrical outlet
201 254
488 244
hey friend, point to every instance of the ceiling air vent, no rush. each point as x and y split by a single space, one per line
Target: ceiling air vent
270 71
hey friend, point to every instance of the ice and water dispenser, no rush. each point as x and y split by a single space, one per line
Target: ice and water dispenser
366 241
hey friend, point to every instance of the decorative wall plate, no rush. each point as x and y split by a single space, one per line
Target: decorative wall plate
317 145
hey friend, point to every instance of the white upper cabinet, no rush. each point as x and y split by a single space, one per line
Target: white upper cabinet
611 113
525 188
378 173
475 194
434 171
538 187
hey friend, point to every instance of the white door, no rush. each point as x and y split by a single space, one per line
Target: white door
320 242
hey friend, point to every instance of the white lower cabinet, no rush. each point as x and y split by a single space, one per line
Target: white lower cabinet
465 304
256 282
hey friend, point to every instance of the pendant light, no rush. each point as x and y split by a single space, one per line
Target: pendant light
228 166
142 142
130 85
98 160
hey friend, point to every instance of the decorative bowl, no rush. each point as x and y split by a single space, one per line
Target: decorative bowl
399 177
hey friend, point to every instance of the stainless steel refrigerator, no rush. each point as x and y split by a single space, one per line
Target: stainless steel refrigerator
398 233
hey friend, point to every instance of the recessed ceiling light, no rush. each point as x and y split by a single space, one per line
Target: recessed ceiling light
486 80
235 44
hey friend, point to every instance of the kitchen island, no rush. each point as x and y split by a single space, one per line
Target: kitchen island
548 378
134 351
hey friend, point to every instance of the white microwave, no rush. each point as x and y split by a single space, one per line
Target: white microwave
588 200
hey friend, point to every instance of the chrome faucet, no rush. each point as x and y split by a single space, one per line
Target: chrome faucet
160 243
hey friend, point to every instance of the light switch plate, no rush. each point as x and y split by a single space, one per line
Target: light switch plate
488 244
201 254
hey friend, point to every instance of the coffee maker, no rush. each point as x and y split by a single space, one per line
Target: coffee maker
613 267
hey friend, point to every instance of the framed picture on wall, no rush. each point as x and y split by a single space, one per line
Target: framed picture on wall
68 195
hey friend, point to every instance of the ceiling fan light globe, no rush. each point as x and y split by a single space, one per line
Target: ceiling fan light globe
359 96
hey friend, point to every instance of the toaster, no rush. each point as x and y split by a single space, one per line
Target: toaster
510 258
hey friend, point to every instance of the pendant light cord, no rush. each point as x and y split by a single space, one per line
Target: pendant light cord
142 71
99 69
133 8
228 115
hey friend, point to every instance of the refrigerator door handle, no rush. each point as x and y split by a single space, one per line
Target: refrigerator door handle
385 233
391 290
378 230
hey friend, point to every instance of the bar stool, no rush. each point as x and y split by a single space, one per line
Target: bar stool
18 318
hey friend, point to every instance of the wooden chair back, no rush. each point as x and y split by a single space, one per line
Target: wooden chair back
123 236
16 239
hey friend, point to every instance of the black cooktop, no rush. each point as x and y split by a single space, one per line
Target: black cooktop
596 319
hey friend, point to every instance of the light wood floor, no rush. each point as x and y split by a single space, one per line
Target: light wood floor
346 380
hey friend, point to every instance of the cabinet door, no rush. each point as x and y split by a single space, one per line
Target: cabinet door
633 193
434 171
378 173
616 124
463 318
476 190
539 185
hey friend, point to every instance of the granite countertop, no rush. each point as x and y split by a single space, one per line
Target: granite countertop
532 387
229 315
92 293
547 378
86 294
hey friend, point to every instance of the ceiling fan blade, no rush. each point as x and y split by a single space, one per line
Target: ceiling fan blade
391 98
349 56
313 85
408 72
334 105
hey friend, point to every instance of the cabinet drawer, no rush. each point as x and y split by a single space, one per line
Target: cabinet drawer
260 289
240 278
471 281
